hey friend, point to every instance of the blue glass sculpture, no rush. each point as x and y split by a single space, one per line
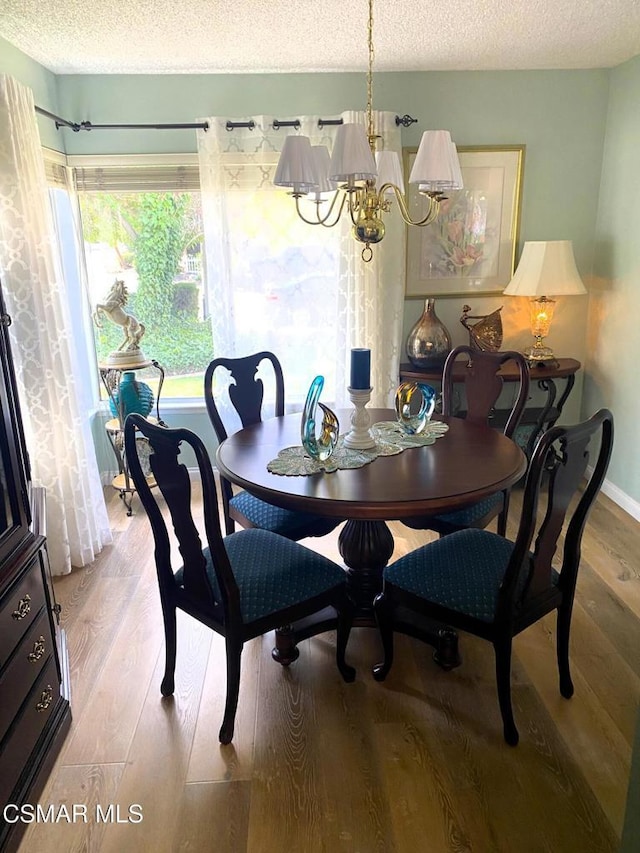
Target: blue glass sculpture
318 447
415 402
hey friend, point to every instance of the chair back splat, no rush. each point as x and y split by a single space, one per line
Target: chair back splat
563 453
482 583
245 585
483 386
246 394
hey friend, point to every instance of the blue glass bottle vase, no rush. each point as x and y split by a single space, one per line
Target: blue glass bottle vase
131 396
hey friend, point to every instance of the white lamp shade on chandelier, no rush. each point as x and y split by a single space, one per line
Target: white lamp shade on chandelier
296 167
436 167
389 171
546 269
309 169
352 159
321 160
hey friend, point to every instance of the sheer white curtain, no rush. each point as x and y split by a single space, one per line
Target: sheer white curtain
277 283
57 431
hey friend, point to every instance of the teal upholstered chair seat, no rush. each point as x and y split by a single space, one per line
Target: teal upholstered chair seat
286 522
468 516
463 572
272 572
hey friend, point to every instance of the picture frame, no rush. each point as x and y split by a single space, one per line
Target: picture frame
470 249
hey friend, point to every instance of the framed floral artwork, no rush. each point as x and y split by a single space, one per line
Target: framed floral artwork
470 248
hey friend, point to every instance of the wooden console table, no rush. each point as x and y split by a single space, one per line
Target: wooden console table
536 419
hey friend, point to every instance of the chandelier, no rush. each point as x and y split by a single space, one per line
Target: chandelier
363 180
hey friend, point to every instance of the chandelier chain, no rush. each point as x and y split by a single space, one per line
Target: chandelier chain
370 73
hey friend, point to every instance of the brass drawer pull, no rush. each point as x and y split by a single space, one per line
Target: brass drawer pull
24 608
46 698
38 650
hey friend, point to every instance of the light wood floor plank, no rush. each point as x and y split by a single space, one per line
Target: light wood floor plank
286 808
111 716
94 630
598 748
155 772
355 811
209 760
89 786
213 816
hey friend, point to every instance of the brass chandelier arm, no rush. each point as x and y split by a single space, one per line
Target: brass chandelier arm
357 206
323 220
432 212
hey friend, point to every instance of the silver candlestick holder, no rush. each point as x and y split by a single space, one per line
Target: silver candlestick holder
359 437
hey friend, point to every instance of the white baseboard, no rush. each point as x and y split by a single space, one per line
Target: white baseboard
622 499
619 497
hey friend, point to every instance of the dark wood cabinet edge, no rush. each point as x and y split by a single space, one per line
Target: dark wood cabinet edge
33 779
22 555
39 526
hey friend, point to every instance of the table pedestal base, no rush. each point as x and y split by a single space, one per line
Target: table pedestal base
366 548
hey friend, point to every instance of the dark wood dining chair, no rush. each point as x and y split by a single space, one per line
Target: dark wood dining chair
482 385
242 586
246 394
482 583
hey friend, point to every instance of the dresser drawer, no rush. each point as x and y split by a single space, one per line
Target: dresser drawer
20 606
24 667
22 737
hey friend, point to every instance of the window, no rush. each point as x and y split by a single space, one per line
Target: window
142 224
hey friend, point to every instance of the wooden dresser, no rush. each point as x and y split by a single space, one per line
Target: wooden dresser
35 713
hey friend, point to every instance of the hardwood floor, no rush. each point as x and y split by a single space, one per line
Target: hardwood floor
319 766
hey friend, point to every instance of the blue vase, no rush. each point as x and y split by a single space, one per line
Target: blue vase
318 447
132 396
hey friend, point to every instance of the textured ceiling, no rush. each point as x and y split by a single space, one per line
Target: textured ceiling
234 36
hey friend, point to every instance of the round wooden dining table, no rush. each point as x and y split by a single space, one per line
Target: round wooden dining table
468 463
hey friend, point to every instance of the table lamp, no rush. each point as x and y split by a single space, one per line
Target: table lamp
546 268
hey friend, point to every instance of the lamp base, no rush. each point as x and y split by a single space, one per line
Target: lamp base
540 355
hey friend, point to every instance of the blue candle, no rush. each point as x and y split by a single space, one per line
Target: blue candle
360 369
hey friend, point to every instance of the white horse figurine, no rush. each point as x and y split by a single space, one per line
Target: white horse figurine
113 309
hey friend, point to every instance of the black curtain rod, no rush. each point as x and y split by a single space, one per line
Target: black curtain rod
405 121
87 125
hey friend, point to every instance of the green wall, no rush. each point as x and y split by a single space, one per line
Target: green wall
612 369
612 377
42 83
